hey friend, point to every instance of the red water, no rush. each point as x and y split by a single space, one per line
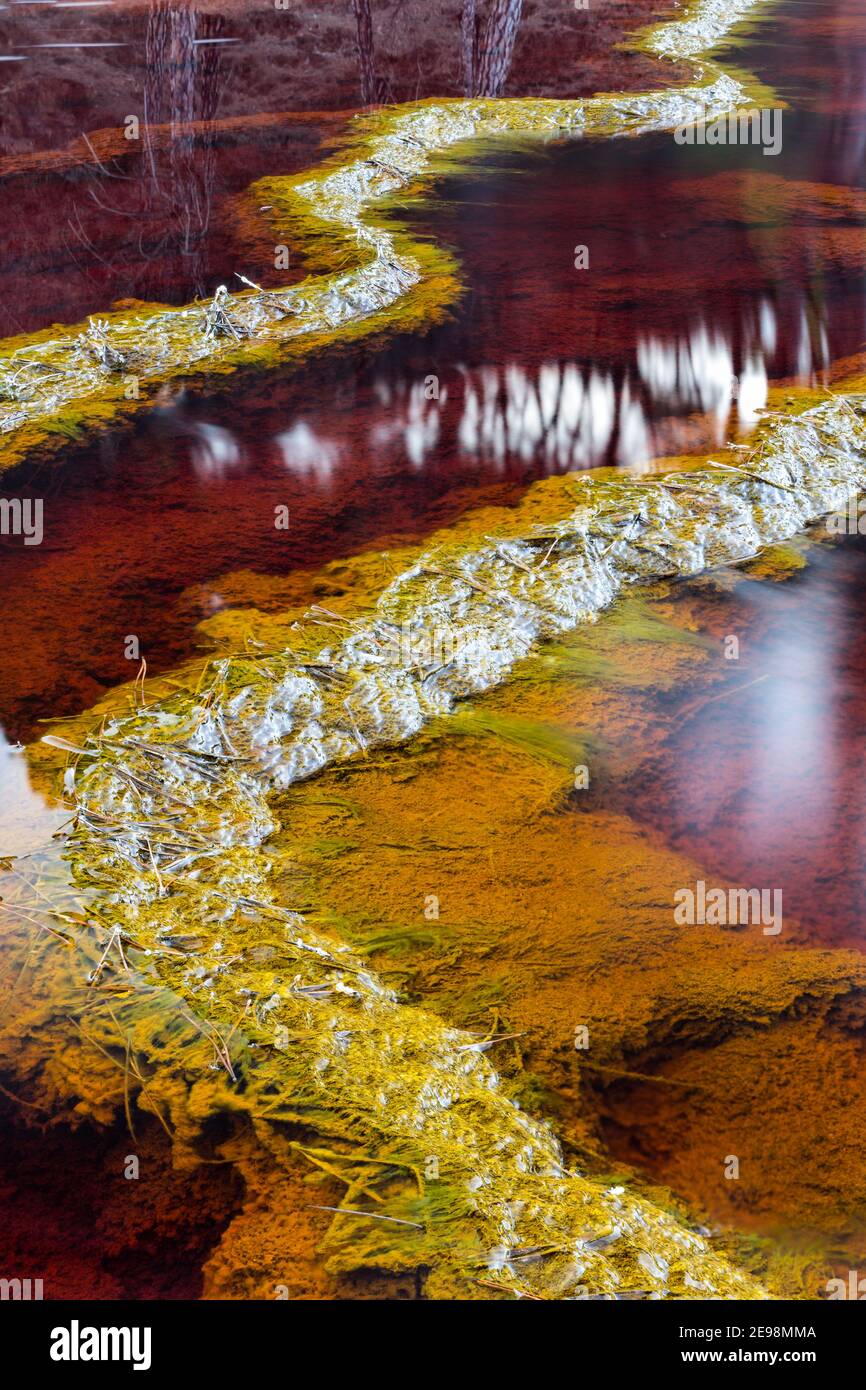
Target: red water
78 241
761 777
704 265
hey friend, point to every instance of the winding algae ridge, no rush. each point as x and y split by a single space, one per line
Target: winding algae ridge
56 384
173 812
698 32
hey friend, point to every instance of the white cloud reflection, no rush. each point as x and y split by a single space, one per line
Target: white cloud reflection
577 415
307 454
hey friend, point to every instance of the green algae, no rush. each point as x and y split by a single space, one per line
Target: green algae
538 740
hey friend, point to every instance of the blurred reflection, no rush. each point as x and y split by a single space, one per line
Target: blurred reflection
181 87
26 819
214 449
761 777
307 454
573 415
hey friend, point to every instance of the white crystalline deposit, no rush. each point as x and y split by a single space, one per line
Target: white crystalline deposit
704 27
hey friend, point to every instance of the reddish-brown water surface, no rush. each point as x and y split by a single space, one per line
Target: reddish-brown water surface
763 782
710 272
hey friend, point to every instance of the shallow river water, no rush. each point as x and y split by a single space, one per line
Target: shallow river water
720 722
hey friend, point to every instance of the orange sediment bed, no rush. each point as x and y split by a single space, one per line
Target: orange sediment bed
548 935
553 915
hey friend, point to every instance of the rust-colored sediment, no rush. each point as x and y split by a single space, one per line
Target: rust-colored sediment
555 912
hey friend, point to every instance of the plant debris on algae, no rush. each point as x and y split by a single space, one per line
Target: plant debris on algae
168 851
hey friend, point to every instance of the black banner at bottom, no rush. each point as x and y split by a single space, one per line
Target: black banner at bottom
225 1339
